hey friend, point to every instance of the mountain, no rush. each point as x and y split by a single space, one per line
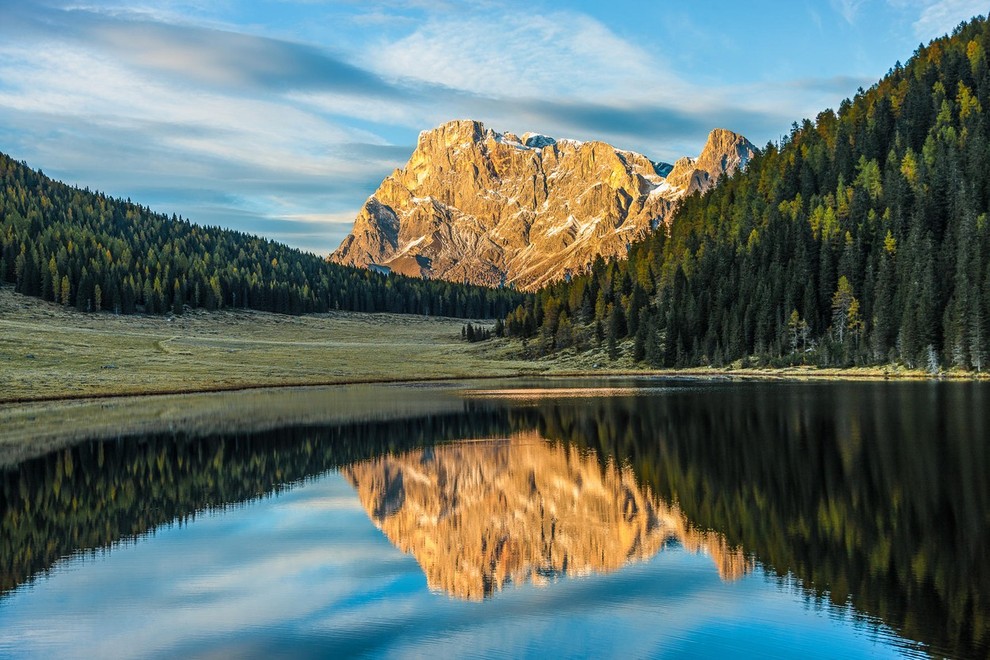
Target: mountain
862 238
484 514
479 206
93 252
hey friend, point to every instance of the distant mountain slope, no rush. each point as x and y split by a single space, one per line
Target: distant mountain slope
862 238
88 250
491 208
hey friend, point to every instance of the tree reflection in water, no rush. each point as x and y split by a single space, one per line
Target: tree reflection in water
873 495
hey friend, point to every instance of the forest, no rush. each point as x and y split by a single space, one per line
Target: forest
860 238
92 252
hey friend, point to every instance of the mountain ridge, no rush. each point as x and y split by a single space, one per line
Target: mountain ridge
476 205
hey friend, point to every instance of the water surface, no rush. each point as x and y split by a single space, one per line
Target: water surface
618 518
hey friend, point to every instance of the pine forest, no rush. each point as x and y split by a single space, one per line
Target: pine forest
860 238
94 253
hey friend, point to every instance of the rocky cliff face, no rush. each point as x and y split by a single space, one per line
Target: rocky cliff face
495 208
724 153
480 515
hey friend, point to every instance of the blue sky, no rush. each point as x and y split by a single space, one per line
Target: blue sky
280 117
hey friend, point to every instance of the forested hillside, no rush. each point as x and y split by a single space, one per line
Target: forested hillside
861 238
87 250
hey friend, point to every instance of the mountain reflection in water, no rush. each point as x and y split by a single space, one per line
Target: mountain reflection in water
870 498
480 515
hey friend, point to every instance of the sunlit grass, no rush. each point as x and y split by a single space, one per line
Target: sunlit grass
50 352
47 351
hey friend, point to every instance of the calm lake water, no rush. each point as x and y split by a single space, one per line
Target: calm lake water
622 518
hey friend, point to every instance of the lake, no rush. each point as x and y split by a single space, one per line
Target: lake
615 518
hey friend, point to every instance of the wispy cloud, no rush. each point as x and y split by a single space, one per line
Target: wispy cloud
564 74
847 9
815 17
207 56
938 18
559 54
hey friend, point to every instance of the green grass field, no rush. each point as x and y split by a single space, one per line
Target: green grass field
50 352
57 366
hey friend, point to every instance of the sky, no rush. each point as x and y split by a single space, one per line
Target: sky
281 117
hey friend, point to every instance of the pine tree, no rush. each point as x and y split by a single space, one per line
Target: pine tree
844 306
612 333
65 290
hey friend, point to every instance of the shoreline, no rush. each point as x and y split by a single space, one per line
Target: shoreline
35 426
51 354
788 374
248 387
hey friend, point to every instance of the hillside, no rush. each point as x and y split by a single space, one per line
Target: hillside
92 252
475 205
861 238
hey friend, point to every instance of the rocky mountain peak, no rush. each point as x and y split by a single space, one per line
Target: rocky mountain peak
724 152
480 206
453 133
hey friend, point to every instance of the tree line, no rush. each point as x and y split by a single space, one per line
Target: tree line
92 252
860 238
472 333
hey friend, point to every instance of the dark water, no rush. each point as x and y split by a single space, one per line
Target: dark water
625 519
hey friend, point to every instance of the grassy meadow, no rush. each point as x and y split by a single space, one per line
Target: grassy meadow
51 352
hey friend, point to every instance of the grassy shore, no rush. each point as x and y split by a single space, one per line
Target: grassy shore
48 352
570 362
66 375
